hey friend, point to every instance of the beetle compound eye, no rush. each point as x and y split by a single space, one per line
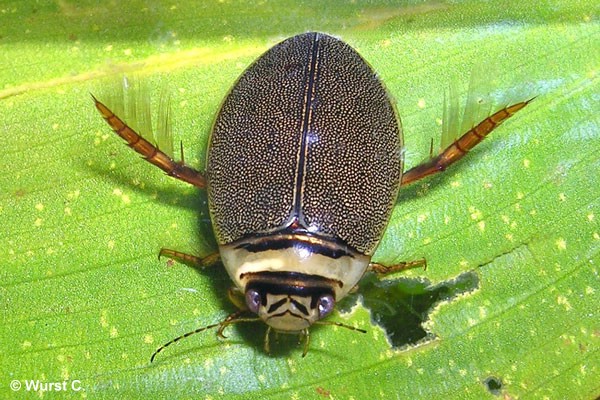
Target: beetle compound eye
253 300
325 305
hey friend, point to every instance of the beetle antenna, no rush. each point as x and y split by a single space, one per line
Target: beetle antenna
231 319
335 323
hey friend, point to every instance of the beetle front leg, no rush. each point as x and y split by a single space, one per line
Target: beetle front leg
382 270
237 298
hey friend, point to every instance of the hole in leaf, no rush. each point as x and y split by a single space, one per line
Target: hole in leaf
401 306
493 385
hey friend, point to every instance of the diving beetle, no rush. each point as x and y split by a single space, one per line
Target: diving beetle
304 165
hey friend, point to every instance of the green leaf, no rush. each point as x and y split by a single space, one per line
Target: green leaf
510 233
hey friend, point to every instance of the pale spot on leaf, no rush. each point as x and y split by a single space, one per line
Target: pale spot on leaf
103 319
475 213
481 226
562 300
64 373
562 197
589 290
482 312
385 42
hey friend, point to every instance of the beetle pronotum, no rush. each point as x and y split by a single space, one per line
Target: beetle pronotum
304 166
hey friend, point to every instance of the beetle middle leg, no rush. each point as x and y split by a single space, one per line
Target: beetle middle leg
462 145
381 269
150 152
190 259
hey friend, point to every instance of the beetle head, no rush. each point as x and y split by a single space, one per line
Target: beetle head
289 309
287 302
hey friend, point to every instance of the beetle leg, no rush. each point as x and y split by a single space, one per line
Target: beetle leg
190 259
306 335
462 145
267 345
237 298
231 319
381 269
150 152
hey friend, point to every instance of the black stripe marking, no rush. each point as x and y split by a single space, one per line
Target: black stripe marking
290 283
298 238
300 306
274 306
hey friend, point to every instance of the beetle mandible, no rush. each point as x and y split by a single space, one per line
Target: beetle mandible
303 169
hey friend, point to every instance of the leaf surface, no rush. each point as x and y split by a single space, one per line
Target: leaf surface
510 233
